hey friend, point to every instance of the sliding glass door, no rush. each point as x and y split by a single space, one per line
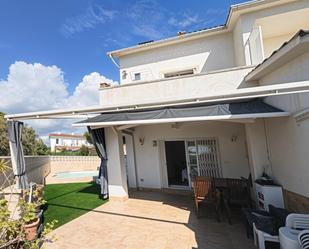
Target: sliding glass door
203 158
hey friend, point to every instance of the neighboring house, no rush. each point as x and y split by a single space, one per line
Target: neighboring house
224 102
66 142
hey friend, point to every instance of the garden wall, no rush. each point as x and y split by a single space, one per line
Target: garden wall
37 168
73 163
41 169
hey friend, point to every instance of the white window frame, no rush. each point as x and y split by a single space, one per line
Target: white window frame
139 78
179 73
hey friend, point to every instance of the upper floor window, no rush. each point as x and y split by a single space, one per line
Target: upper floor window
57 141
179 73
137 76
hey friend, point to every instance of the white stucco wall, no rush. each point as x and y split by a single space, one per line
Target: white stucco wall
176 89
289 143
204 54
295 70
257 149
288 139
233 155
273 43
238 44
116 170
277 22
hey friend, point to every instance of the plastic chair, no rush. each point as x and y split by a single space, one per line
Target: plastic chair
297 221
288 238
303 239
260 237
288 235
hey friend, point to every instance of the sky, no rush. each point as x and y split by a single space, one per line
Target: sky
53 53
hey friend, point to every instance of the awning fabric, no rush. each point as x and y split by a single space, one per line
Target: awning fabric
98 138
256 106
15 129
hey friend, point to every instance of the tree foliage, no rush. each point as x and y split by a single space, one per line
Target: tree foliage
32 145
84 151
4 144
88 137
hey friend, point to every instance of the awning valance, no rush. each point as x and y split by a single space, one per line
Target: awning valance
197 112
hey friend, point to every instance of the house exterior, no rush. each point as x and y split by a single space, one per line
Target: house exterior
228 101
67 142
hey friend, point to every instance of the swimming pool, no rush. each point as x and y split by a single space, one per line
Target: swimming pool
76 174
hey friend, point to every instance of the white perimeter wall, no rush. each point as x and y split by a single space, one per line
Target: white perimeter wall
233 155
288 139
37 168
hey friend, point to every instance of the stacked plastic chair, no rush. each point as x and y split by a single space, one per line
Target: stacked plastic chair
303 239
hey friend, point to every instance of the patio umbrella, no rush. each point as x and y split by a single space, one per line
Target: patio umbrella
15 129
98 138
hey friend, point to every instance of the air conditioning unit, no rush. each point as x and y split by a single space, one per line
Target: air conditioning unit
269 195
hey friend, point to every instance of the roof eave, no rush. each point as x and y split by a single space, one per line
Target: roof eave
167 41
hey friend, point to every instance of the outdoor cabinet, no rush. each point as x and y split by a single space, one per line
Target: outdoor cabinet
269 194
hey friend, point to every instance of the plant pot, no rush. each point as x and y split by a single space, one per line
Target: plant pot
31 230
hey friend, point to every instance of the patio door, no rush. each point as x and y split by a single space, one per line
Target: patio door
176 164
203 158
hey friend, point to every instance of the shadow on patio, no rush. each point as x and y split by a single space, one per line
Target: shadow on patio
151 220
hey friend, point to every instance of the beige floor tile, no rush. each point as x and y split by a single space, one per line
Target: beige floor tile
150 220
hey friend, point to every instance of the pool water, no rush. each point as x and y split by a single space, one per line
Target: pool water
76 174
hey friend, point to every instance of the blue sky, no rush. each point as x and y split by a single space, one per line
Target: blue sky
75 35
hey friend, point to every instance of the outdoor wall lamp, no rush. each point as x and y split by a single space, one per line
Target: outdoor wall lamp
234 138
142 140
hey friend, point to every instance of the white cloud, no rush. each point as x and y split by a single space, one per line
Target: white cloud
93 16
87 93
148 31
26 85
34 87
185 21
151 20
144 18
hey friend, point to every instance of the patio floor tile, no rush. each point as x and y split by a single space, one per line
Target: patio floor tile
150 220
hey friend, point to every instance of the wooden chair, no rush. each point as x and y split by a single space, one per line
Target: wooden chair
239 192
204 191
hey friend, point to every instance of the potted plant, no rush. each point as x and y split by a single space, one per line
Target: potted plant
9 228
36 198
29 218
22 232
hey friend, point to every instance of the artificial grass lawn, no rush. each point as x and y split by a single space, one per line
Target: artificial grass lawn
68 201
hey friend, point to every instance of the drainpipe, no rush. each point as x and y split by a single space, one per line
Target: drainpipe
113 60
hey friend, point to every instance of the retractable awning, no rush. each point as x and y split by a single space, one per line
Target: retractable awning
186 113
